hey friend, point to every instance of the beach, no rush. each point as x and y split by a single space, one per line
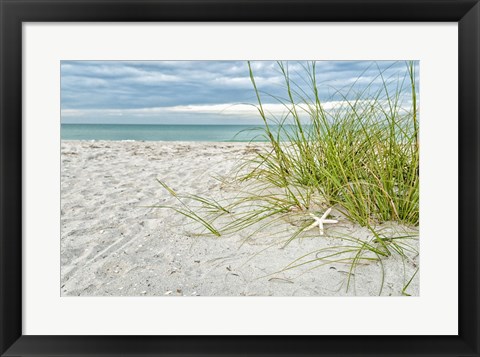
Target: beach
114 243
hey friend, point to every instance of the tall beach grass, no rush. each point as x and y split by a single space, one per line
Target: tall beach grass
362 155
359 155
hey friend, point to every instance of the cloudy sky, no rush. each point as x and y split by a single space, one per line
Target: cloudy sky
201 92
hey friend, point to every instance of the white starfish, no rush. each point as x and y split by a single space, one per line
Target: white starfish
321 221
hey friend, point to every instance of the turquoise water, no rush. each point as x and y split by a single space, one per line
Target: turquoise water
161 132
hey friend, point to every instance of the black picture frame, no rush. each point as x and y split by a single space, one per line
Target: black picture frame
14 12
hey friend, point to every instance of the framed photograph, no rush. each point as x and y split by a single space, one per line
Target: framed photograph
239 178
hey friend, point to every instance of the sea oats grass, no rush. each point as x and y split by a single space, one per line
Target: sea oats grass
359 156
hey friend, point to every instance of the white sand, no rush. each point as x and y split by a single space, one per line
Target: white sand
112 244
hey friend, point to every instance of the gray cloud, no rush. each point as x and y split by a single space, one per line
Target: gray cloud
127 85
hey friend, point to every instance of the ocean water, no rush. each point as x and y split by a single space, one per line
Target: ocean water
229 133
